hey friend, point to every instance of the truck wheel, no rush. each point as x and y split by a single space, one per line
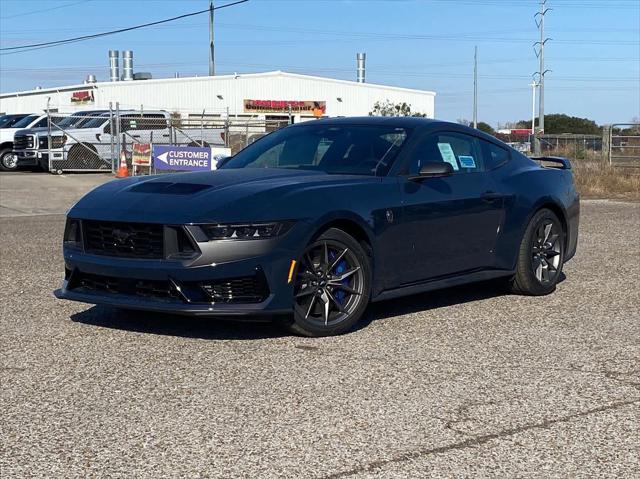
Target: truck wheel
81 157
8 161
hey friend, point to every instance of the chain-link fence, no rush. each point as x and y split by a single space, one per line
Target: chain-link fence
96 140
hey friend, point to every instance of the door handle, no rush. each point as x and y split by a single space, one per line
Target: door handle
491 196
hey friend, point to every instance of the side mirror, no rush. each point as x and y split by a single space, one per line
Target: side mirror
433 169
222 161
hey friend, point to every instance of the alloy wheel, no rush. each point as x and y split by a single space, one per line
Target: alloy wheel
546 251
10 161
329 283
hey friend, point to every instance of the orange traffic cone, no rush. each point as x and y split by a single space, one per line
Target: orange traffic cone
123 171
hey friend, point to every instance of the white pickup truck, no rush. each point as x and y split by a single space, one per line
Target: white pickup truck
8 161
30 144
91 145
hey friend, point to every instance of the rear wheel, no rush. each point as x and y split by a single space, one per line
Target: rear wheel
541 255
8 161
332 285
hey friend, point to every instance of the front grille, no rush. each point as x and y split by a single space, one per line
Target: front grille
22 142
248 289
130 240
133 287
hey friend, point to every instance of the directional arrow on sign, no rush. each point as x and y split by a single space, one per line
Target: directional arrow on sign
163 157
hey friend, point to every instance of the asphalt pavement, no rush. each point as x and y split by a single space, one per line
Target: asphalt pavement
466 382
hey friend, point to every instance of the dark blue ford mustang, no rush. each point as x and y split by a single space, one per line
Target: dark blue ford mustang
314 221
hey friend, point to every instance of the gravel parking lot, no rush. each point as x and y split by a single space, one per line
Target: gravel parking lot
466 382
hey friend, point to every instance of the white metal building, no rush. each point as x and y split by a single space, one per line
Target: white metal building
269 95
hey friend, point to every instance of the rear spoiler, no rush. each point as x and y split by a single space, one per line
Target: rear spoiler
557 162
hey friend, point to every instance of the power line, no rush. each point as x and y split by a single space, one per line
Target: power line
42 10
35 46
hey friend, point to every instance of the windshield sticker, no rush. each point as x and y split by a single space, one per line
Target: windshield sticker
447 155
467 161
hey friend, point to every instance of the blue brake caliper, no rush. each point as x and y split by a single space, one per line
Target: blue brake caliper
340 268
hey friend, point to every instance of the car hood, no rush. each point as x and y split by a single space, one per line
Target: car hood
248 194
32 131
6 134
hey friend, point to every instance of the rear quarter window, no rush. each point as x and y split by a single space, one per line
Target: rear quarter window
495 156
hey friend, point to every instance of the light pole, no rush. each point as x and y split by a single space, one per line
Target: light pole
533 86
212 68
475 88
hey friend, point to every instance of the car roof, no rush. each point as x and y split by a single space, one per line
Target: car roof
399 121
404 122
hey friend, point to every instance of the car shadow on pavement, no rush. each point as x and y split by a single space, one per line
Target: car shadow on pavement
176 325
253 328
436 299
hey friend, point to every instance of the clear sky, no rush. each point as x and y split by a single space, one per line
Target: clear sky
594 53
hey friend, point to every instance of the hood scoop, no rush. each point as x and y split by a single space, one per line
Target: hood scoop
168 188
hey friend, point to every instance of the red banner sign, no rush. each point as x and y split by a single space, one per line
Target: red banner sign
85 96
316 108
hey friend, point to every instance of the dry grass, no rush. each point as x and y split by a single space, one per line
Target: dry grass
595 179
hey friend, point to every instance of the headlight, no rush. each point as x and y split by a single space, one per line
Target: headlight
247 231
72 234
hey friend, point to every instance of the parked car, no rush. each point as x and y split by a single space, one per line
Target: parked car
8 161
313 222
7 121
90 145
31 145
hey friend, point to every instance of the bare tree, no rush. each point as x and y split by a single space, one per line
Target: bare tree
388 108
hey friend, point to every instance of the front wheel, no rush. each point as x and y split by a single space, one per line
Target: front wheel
541 255
332 285
8 160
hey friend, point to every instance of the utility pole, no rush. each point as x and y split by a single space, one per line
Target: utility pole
475 88
212 68
540 53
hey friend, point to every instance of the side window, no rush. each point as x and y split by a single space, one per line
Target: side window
495 156
41 123
462 152
152 122
129 123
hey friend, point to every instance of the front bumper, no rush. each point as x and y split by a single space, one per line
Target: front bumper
26 157
187 281
31 157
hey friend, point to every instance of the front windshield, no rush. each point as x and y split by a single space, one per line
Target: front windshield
7 121
334 149
72 121
25 122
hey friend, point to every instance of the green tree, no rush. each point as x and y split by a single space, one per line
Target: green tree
557 123
486 127
387 108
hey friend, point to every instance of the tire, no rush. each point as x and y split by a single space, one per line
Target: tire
81 157
541 256
332 286
8 161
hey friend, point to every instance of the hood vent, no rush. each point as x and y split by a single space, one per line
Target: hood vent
166 188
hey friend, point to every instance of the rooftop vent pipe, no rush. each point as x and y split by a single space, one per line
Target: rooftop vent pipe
360 59
127 65
114 65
